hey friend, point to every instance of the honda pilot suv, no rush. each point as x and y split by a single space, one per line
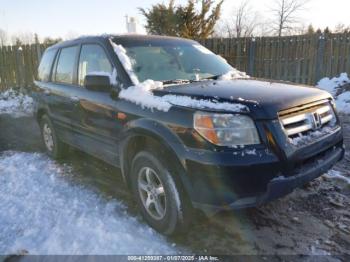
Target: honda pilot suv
187 130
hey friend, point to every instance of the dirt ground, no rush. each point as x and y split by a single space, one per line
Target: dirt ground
314 220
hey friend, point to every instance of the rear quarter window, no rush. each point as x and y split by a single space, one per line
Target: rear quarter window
45 66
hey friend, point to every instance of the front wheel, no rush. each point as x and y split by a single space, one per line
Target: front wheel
161 200
54 146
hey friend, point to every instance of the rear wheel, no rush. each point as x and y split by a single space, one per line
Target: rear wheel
160 198
54 146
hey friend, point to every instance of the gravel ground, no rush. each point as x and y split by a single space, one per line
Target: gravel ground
314 220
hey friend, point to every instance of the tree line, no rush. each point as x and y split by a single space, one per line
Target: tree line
202 19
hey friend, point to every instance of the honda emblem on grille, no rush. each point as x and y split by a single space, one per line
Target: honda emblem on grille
317 121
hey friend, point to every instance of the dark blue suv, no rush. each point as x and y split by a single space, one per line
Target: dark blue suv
187 130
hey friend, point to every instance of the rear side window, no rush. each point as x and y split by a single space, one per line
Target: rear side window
45 66
66 65
93 59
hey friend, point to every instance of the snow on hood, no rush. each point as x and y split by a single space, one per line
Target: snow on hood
143 96
332 86
15 103
43 211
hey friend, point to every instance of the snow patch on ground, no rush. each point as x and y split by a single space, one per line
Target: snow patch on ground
15 103
343 102
338 176
332 86
42 211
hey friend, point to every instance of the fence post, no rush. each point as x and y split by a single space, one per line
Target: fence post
251 57
38 51
319 57
19 64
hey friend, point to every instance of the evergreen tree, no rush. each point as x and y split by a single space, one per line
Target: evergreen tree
327 30
183 21
162 19
310 30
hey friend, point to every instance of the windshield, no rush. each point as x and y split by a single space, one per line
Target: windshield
171 61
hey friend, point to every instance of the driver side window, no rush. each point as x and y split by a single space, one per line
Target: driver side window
93 59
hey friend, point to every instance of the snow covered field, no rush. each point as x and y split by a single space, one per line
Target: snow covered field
42 212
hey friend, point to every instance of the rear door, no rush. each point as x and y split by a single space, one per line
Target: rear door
61 90
56 78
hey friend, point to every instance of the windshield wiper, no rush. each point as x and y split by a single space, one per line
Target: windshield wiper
214 77
177 81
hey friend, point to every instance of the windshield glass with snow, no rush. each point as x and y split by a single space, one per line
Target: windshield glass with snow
173 61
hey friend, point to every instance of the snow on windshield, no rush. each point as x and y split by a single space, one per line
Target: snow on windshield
126 62
43 211
142 95
15 103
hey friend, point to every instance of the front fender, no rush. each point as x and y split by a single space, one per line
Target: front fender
155 130
160 133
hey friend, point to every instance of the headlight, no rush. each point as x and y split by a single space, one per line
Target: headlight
226 129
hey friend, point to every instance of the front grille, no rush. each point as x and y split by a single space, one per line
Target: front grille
298 123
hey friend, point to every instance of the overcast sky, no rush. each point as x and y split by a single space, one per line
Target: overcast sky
64 17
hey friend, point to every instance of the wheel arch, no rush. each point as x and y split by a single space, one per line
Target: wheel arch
151 135
40 113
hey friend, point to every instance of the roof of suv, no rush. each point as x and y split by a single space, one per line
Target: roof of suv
123 38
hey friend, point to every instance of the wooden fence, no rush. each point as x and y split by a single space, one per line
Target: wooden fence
301 59
18 65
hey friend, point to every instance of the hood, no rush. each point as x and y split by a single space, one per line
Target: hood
264 98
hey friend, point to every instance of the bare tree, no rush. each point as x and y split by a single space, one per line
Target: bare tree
23 38
341 28
285 13
244 22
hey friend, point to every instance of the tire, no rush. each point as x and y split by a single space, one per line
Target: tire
176 207
55 148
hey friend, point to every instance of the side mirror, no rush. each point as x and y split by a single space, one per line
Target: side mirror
100 83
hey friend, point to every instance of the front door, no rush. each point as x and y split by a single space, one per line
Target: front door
95 122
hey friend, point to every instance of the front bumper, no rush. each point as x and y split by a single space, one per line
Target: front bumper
281 186
226 180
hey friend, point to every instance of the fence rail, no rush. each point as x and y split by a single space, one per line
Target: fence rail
301 59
